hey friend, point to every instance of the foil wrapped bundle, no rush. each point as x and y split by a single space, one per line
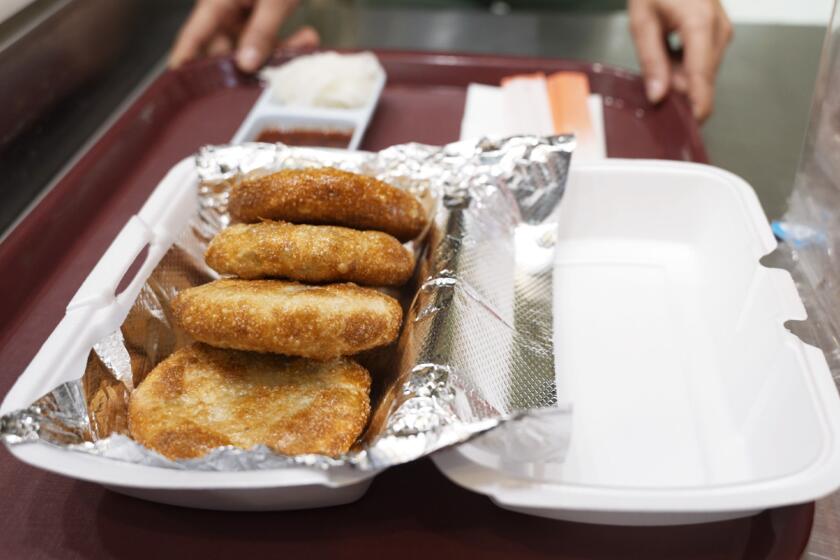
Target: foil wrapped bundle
476 352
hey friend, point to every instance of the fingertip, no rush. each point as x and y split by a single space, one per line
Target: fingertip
175 61
702 95
655 89
181 52
249 59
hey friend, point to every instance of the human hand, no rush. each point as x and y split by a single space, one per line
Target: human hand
705 31
218 27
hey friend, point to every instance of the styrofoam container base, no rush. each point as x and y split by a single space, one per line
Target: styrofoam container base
260 499
691 400
93 313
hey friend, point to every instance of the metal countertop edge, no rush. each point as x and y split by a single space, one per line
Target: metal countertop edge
138 90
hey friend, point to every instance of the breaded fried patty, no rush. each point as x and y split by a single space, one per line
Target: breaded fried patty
310 254
329 196
202 397
318 322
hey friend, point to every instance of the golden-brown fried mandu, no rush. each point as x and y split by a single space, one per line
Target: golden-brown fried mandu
328 196
201 397
310 254
320 322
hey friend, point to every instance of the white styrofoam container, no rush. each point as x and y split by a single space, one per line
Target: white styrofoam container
691 400
93 313
266 113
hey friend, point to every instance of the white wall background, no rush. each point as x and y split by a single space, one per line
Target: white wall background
794 12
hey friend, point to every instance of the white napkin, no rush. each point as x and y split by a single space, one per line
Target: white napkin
522 107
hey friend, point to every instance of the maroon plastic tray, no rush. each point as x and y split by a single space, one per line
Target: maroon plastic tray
410 511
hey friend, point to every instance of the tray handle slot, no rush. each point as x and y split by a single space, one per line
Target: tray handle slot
132 270
99 288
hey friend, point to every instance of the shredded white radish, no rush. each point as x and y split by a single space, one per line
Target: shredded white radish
325 80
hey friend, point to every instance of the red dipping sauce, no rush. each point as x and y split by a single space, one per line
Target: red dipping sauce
314 137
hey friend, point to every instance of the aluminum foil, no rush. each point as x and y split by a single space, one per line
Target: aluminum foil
476 352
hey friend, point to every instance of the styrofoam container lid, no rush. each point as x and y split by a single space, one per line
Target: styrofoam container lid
691 400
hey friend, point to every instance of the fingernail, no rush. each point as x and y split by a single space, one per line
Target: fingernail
248 59
655 89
